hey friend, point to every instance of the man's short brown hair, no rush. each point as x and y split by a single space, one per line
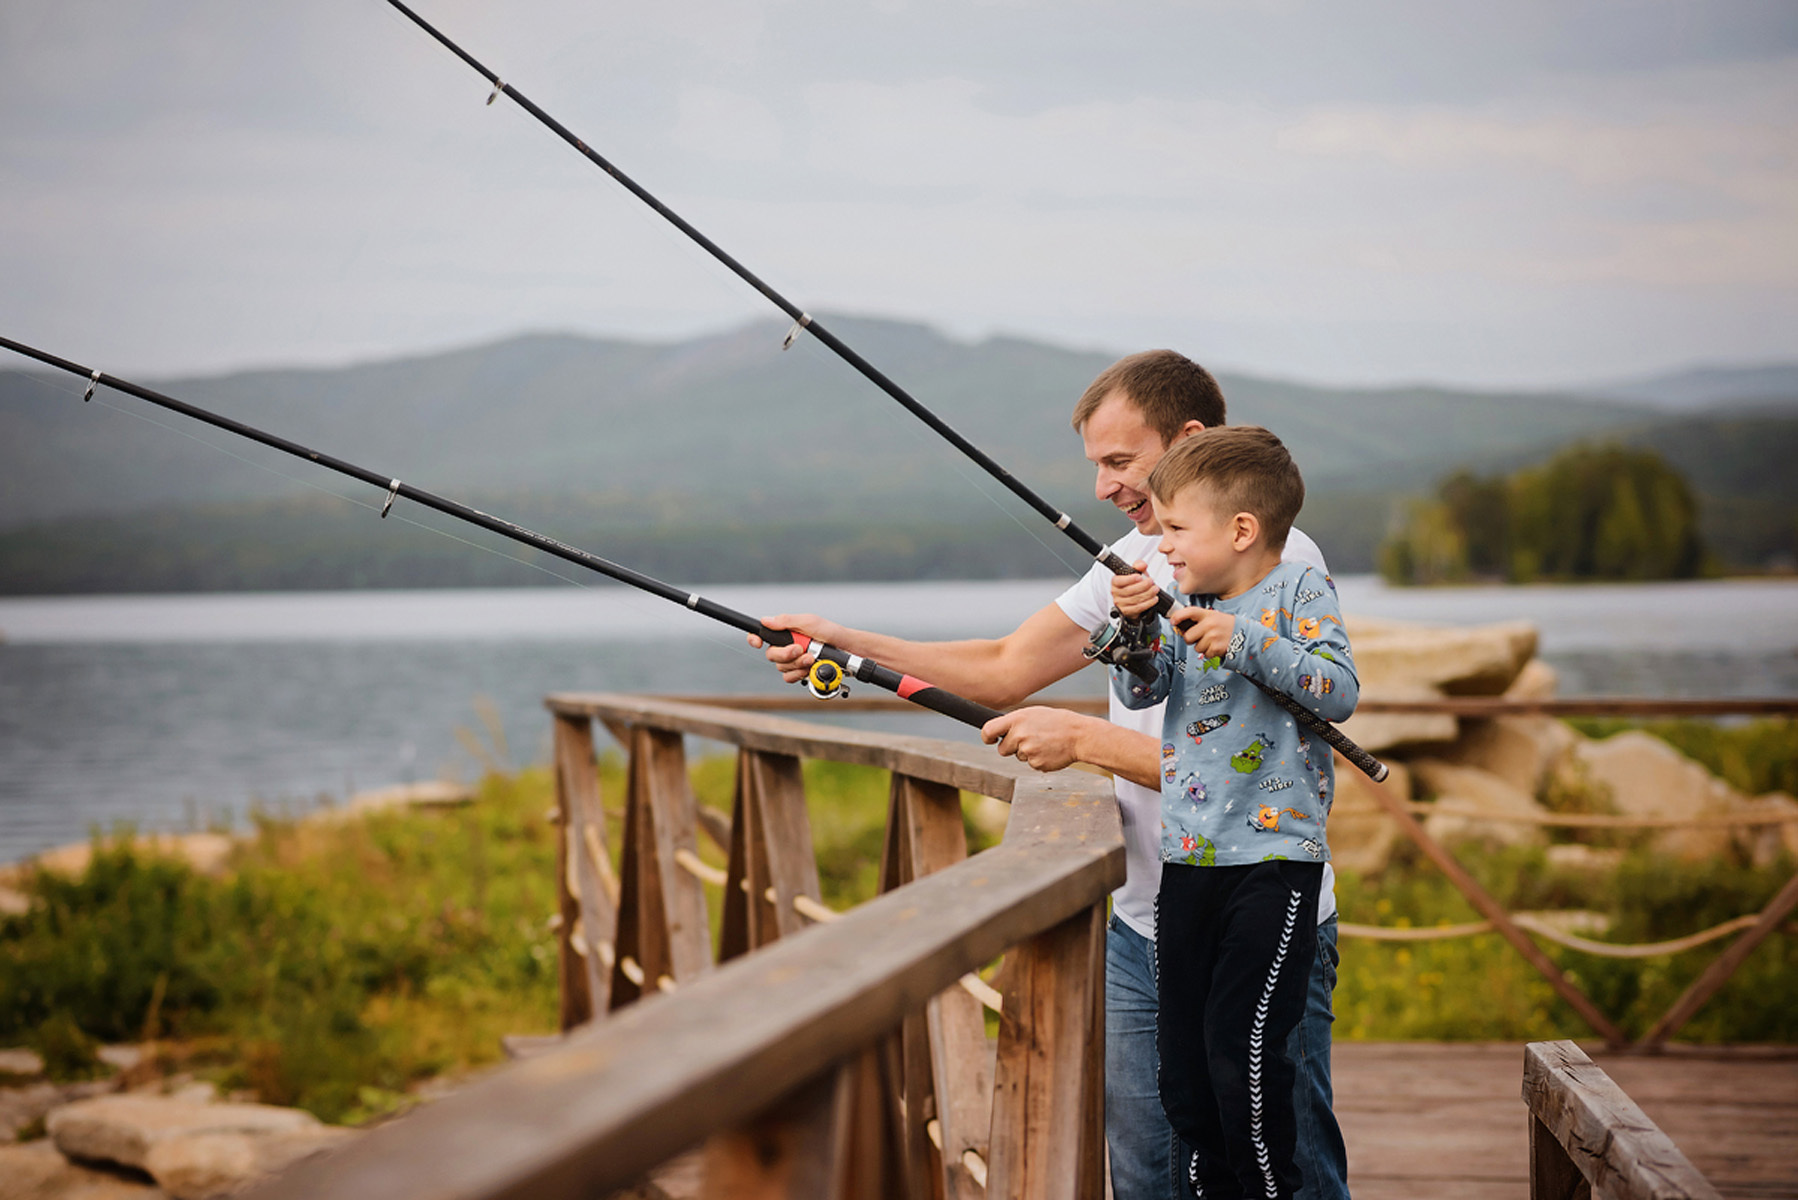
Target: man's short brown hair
1247 469
1169 390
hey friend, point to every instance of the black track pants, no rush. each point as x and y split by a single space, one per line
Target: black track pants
1233 951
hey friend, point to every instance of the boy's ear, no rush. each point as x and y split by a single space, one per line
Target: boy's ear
1245 531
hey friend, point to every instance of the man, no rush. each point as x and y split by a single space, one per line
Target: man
1127 419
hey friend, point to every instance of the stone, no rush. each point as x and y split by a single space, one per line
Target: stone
1763 844
1645 777
1477 660
35 1171
1376 732
1520 750
21 1106
21 1061
122 1129
1360 831
1469 788
207 1165
1537 681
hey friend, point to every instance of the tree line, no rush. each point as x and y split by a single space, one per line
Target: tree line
1593 511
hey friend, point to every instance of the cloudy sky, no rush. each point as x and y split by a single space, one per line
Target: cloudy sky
1516 193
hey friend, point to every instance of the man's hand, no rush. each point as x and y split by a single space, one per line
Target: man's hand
1135 594
1205 629
791 661
1046 739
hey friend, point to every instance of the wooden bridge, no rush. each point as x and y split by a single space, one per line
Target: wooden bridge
856 1060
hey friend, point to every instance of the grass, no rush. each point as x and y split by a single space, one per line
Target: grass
340 964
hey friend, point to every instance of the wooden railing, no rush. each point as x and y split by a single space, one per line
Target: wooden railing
1589 1139
849 1061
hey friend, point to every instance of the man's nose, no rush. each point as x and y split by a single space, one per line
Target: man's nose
1105 485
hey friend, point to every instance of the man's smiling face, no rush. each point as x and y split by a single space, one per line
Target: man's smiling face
1123 449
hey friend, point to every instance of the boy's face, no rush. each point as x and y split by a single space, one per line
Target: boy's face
1203 544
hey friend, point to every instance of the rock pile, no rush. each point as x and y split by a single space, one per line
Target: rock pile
103 1144
1489 777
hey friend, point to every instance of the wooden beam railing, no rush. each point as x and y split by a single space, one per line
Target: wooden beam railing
844 1062
1589 1139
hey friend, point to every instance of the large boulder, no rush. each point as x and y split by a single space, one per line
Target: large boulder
1474 803
1477 660
1645 777
1375 732
35 1171
124 1129
1520 750
208 1165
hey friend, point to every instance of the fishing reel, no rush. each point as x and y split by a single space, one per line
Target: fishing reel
1123 642
827 680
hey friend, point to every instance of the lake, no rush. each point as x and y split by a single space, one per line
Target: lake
172 712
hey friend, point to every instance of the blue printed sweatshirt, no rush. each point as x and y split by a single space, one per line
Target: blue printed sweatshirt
1241 781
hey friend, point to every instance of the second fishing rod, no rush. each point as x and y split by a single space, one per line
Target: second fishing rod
1104 638
828 677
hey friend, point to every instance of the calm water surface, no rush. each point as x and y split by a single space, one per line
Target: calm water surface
170 712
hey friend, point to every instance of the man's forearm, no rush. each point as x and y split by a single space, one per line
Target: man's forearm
1124 752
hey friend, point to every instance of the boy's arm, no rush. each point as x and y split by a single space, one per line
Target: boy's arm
1311 662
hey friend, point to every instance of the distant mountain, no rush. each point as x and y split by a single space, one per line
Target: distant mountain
1709 388
718 458
646 428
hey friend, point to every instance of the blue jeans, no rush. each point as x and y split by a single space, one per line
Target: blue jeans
1145 1163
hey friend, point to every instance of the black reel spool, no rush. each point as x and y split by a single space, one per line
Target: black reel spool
1123 642
826 680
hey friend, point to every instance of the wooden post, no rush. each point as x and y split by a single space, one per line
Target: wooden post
770 849
1042 1111
1616 1149
954 1021
662 923
1725 965
1494 912
587 907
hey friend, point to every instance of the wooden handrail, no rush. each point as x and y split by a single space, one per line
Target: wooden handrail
1452 706
1587 1138
761 1034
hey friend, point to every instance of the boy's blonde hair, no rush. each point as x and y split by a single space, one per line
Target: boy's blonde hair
1247 469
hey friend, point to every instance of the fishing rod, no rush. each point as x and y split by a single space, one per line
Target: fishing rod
838 666
1107 643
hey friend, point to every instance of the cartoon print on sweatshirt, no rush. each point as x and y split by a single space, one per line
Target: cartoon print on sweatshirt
1241 782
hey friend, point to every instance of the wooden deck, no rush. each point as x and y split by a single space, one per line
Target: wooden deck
1431 1120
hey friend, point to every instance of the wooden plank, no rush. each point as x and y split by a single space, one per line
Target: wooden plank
1619 1151
868 1153
662 923
1495 912
785 1153
1725 965
1457 706
786 836
922 1162
954 1021
1039 1107
1552 1173
970 768
586 908
630 1092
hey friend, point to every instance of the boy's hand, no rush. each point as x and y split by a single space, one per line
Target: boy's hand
1205 629
1135 594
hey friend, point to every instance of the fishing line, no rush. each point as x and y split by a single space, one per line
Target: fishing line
830 672
629 598
804 324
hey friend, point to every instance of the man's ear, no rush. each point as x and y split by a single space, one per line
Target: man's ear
1187 430
1245 531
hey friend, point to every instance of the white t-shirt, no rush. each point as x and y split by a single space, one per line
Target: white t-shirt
1088 603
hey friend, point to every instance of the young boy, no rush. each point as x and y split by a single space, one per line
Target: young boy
1244 793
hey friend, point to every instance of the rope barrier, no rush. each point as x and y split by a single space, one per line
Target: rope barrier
1599 820
1387 933
813 911
973 1162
